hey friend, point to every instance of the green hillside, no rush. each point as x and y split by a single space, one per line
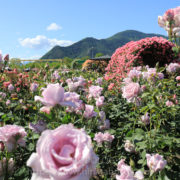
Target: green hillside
90 46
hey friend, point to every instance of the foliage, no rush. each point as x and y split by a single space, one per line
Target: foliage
95 65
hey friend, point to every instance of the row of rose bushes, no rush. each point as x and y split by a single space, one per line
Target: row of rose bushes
62 125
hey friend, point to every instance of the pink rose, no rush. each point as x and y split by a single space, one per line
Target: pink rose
129 147
63 153
130 91
53 95
173 67
11 135
89 112
100 101
155 162
95 91
10 87
178 78
169 103
34 87
145 119
100 137
127 173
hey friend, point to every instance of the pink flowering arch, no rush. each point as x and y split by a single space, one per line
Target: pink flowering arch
147 51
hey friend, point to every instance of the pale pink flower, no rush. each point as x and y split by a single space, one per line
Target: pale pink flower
126 172
169 103
11 135
53 95
56 75
139 175
46 109
89 112
63 153
10 87
145 119
108 137
95 91
99 81
100 101
130 91
155 162
178 78
103 137
99 137
39 127
75 98
134 74
129 147
173 67
34 87
8 102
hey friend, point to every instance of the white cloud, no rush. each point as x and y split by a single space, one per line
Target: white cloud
53 27
41 41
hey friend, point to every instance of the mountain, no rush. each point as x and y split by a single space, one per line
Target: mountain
90 46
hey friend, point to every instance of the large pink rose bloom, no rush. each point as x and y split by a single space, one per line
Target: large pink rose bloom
53 95
130 91
11 135
65 153
155 162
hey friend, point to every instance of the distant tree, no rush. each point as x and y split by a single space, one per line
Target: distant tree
99 54
85 58
14 62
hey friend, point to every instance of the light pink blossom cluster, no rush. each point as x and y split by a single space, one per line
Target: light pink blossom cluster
103 137
152 74
63 153
155 162
11 136
170 21
126 172
139 53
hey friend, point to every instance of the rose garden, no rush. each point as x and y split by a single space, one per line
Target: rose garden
74 124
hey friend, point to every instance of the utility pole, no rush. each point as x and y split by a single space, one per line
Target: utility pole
92 52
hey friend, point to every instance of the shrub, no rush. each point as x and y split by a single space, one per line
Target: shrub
95 65
148 51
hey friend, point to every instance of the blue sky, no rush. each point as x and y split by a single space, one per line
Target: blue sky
29 28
